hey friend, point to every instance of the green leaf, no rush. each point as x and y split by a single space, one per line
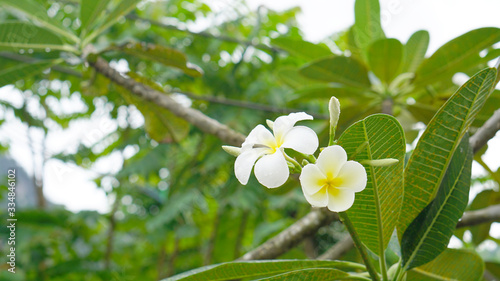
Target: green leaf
301 48
324 91
160 124
429 161
384 58
292 78
33 10
246 269
17 35
345 70
163 55
90 10
452 264
482 200
415 50
459 54
376 209
121 9
316 274
367 28
22 71
490 106
429 234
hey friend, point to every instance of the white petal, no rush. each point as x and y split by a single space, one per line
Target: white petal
244 164
283 124
318 199
310 179
301 139
353 176
259 135
340 200
331 160
272 170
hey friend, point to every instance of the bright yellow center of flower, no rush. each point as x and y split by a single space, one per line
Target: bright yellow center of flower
330 183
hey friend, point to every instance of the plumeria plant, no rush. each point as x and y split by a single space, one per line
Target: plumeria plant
388 205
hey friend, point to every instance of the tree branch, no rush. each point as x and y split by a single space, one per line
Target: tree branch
488 214
486 132
193 116
291 236
338 250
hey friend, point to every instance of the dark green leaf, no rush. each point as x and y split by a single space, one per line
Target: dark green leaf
430 159
316 274
428 235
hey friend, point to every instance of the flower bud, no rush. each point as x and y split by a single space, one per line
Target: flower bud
233 150
270 124
334 108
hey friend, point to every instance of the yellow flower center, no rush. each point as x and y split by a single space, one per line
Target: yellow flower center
331 183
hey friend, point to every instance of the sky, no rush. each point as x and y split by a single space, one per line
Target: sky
72 186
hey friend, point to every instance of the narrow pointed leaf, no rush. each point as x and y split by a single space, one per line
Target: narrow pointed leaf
452 264
22 71
384 58
302 49
345 70
33 10
429 234
90 10
376 209
247 269
367 28
316 274
166 56
17 35
458 55
426 167
415 50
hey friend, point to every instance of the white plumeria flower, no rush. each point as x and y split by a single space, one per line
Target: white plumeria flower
266 149
333 180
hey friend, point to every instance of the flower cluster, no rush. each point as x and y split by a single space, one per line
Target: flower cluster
331 181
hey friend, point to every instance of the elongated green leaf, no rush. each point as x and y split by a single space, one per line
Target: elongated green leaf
339 69
384 58
121 9
429 161
22 71
21 35
90 10
163 55
160 124
301 48
33 10
490 106
415 50
367 28
375 210
457 55
246 269
429 234
292 78
316 274
451 265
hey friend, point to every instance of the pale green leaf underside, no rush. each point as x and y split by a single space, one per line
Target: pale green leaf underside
415 50
246 269
376 209
384 58
38 13
22 71
451 265
22 35
429 161
459 54
302 49
316 274
429 234
340 69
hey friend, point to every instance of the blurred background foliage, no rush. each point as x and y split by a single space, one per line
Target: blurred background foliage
175 203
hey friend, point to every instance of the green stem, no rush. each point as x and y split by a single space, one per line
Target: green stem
398 272
294 162
359 245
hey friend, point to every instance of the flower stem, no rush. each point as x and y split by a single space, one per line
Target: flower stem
294 162
359 245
